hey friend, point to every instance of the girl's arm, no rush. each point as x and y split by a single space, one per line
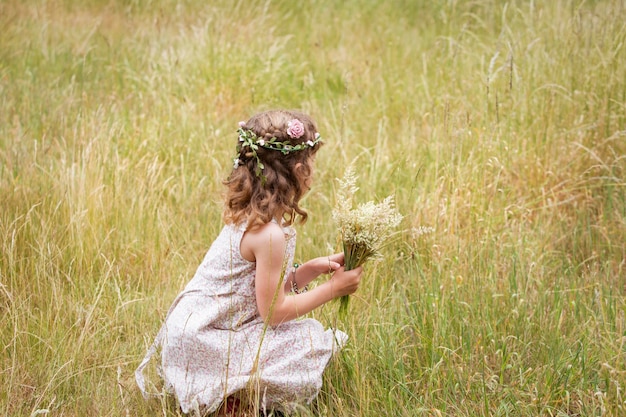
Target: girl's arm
267 246
313 268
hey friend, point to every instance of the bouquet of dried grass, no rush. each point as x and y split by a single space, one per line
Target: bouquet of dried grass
364 229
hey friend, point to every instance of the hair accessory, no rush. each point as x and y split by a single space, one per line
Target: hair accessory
249 143
295 128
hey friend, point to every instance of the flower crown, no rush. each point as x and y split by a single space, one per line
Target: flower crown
250 142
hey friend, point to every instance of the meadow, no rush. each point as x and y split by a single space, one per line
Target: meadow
499 127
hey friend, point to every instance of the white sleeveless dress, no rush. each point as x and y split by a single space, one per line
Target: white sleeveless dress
214 343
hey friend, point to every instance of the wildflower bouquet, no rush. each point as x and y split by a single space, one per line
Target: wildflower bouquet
364 229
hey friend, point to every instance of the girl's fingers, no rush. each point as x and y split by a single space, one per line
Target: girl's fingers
330 263
337 257
348 281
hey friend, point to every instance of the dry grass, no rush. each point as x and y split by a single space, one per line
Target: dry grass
500 127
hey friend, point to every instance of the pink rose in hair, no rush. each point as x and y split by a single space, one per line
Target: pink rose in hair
295 128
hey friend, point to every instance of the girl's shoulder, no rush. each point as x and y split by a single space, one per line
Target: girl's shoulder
268 232
268 237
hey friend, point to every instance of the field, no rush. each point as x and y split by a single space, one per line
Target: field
499 127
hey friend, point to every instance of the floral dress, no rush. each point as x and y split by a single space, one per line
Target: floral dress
214 343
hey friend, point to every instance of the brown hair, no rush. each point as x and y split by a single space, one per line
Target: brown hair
257 199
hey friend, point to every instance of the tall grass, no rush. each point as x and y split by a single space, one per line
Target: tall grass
499 126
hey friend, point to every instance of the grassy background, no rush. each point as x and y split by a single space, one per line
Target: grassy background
500 127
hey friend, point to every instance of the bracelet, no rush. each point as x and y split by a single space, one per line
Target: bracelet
294 285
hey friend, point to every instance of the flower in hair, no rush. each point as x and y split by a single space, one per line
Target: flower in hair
295 128
249 144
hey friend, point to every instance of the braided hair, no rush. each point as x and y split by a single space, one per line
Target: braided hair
258 199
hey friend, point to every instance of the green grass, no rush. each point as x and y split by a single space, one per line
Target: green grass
500 125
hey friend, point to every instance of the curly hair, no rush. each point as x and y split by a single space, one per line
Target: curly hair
257 200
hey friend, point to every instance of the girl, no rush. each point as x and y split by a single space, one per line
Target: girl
231 339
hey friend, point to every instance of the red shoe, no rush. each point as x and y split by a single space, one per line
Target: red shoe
232 406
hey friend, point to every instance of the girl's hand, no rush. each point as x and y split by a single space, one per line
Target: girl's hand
345 282
337 258
327 264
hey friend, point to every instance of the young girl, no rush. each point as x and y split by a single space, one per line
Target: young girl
232 339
